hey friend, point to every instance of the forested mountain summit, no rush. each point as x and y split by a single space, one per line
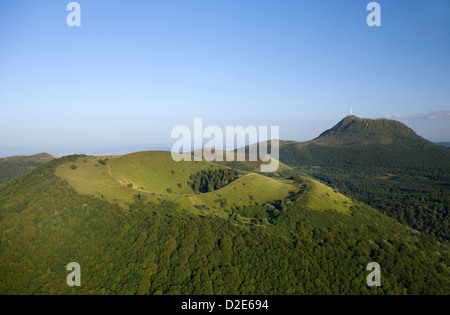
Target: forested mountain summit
384 163
354 130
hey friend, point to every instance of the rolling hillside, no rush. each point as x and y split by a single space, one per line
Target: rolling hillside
253 166
15 166
311 241
144 224
157 177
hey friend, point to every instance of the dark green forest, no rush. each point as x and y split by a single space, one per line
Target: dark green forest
153 249
16 166
212 179
410 183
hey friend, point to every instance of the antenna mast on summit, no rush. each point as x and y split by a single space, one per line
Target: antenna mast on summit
351 111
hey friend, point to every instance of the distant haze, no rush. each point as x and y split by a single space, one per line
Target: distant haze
135 70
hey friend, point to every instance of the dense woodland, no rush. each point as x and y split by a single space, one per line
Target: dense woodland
407 181
16 166
152 249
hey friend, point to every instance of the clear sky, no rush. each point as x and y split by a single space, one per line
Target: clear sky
136 69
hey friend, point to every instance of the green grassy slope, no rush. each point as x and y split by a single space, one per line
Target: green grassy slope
322 198
157 176
251 166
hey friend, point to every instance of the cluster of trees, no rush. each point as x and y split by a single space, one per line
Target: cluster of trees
152 248
259 211
103 162
212 179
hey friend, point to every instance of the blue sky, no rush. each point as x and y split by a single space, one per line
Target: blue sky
136 69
